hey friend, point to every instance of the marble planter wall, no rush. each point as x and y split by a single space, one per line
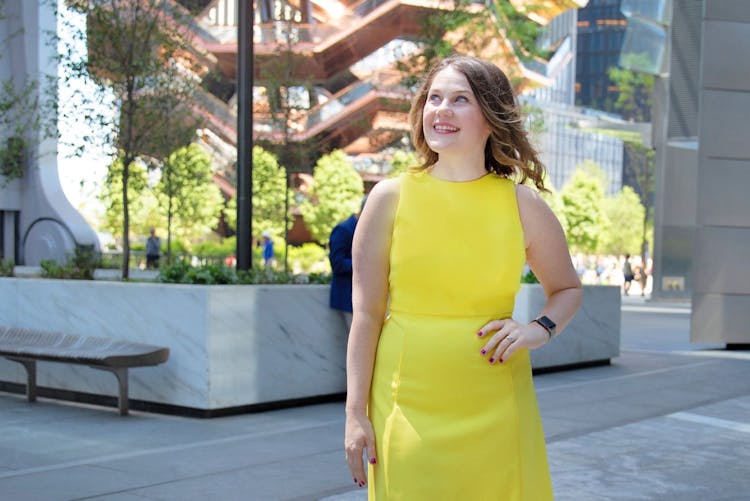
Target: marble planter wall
229 345
240 345
592 336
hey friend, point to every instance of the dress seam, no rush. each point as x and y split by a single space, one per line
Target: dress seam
518 431
494 314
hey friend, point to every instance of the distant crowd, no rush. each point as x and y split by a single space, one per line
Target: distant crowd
629 272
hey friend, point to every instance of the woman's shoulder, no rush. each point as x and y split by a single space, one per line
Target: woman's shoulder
536 215
529 198
387 188
385 194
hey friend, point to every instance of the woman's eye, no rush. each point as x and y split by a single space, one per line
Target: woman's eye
434 98
462 99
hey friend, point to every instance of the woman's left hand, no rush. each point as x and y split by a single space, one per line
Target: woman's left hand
506 336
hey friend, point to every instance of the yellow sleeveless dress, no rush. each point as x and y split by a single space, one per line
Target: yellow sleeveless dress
448 425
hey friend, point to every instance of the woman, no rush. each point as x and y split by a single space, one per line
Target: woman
439 393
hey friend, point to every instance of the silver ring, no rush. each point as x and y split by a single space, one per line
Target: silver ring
511 338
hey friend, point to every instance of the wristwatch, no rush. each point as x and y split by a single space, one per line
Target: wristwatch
548 325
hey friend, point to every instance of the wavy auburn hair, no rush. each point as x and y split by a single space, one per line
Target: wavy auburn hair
508 151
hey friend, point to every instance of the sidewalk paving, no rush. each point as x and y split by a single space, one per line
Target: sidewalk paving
666 420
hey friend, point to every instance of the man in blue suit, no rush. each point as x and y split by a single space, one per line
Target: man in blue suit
340 256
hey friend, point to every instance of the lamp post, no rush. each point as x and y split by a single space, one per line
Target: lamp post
244 134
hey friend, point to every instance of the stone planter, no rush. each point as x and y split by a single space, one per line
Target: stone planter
239 346
592 337
231 346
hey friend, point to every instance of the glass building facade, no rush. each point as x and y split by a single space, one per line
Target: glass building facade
562 143
601 30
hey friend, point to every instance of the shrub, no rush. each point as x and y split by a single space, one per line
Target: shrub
529 278
6 267
309 257
80 266
215 249
182 272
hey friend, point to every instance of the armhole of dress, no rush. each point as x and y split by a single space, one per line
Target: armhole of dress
516 188
402 181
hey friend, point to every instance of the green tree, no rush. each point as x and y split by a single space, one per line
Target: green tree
269 194
288 98
336 194
139 56
269 186
111 198
635 91
190 201
583 200
465 29
643 175
401 162
624 233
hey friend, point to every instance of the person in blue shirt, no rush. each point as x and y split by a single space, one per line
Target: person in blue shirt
340 256
268 256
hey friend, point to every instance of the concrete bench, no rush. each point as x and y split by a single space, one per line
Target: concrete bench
27 346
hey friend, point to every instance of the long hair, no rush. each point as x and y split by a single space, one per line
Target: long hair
508 151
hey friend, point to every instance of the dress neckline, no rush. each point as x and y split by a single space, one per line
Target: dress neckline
447 181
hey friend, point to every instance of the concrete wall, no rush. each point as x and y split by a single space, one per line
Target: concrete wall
721 292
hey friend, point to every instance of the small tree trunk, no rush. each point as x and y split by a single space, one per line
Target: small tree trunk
169 231
286 223
168 172
125 220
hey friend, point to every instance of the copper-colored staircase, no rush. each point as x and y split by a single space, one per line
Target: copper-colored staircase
367 115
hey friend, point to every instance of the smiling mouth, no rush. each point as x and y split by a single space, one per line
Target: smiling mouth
444 128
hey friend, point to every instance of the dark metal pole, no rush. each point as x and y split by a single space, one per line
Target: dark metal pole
244 134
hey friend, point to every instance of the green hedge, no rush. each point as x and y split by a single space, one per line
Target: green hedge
181 272
6 267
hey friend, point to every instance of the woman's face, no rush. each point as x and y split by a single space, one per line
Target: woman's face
452 120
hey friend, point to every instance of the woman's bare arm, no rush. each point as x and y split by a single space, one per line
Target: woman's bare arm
548 256
370 256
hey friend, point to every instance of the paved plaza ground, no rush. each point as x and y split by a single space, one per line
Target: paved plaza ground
667 420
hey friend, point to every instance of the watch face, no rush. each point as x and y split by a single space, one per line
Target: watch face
546 323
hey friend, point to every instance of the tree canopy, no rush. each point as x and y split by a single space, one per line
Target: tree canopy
269 188
189 201
336 195
623 234
583 201
401 161
635 91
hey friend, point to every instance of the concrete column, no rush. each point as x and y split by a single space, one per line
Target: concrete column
721 295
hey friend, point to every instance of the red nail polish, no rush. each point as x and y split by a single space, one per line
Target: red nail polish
373 461
483 352
492 360
480 334
500 360
355 481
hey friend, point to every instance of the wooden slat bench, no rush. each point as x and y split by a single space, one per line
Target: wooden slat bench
27 346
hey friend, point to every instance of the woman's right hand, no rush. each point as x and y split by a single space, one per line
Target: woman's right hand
359 437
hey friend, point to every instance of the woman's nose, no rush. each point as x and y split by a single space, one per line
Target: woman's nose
443 108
